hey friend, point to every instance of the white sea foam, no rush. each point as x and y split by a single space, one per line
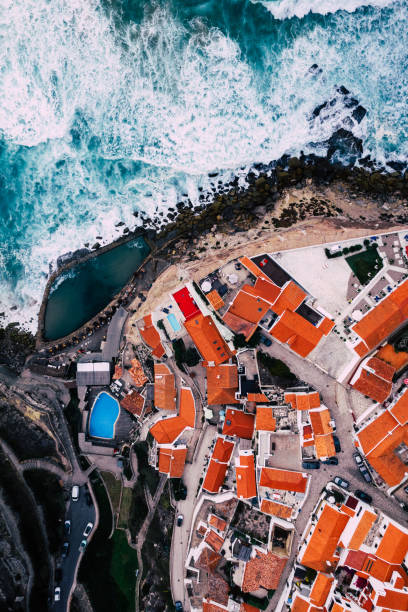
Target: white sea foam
286 9
124 119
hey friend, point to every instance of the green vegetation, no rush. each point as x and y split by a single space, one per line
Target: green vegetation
240 341
49 495
125 506
365 265
123 568
147 474
400 340
73 417
20 503
15 345
114 488
138 511
96 569
276 367
182 355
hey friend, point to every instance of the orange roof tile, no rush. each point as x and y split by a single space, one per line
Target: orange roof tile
381 368
248 608
384 459
326 325
215 299
137 373
214 540
210 606
207 339
215 476
118 372
361 349
172 460
217 522
238 423
375 431
297 332
382 320
365 523
266 290
321 589
167 430
151 336
245 475
238 325
299 604
264 420
392 600
371 385
320 420
187 407
264 570
303 400
248 307
393 546
283 480
324 539
208 560
337 608
252 267
222 450
290 298
276 509
307 432
222 384
400 409
164 387
133 402
257 397
324 446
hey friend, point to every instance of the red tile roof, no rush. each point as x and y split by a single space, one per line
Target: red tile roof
264 570
238 325
265 421
218 465
222 450
400 409
365 522
214 540
208 560
283 480
164 387
326 325
133 402
245 475
167 430
303 400
222 384
137 373
374 379
172 460
208 339
300 335
324 539
252 267
118 372
320 419
276 509
257 397
266 290
186 303
382 320
324 446
151 336
238 423
247 307
374 432
217 522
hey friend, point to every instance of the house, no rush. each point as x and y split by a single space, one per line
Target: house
238 423
164 387
218 465
151 337
373 378
172 460
93 373
207 339
245 475
168 429
133 402
222 384
263 570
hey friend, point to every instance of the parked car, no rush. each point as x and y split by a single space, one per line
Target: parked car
331 461
365 473
358 459
65 549
266 341
75 493
404 506
82 546
57 593
341 482
67 527
180 519
337 445
311 465
88 529
365 497
179 606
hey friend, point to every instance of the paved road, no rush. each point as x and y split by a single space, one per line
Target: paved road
79 513
191 477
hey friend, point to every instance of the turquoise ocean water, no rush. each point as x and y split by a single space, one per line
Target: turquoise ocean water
107 108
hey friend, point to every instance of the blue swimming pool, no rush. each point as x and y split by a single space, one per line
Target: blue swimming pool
105 413
173 322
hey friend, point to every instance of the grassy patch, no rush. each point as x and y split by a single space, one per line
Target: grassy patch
138 510
365 265
147 474
114 488
123 567
125 506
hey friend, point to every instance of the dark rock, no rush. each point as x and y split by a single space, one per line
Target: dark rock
316 112
359 113
314 69
294 163
397 166
120 223
343 90
350 102
344 147
96 245
212 174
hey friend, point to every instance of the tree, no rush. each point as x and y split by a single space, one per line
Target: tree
239 341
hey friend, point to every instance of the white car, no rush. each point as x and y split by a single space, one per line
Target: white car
57 593
88 529
75 493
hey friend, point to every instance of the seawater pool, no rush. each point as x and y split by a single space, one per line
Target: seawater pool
104 414
173 322
84 290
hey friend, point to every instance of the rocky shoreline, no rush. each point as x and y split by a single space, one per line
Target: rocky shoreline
235 209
